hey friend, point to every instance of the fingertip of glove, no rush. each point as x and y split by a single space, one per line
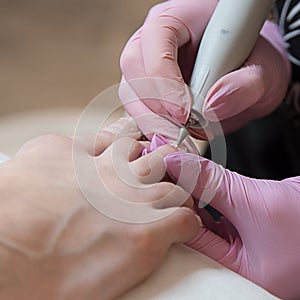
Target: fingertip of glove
173 158
180 158
157 141
172 164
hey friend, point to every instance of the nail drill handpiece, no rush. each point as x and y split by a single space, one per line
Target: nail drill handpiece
227 42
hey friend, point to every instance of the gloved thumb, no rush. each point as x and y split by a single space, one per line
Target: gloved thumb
234 93
210 183
215 247
198 176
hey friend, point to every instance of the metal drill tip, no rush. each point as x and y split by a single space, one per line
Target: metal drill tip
183 133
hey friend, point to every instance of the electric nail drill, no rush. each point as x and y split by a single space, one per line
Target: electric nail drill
227 42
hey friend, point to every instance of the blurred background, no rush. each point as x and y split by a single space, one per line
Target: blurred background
55 57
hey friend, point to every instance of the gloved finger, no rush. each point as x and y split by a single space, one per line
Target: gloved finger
218 249
237 121
160 39
252 206
153 50
162 96
222 228
234 93
134 73
156 142
231 124
245 202
160 53
254 90
151 56
207 219
174 25
198 176
148 122
131 60
211 183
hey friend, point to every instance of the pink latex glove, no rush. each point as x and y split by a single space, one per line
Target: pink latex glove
166 47
258 237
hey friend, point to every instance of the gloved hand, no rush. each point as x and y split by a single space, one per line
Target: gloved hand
166 47
258 235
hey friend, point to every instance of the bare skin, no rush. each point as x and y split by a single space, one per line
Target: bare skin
55 245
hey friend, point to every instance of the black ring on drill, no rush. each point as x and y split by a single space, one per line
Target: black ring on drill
196 120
